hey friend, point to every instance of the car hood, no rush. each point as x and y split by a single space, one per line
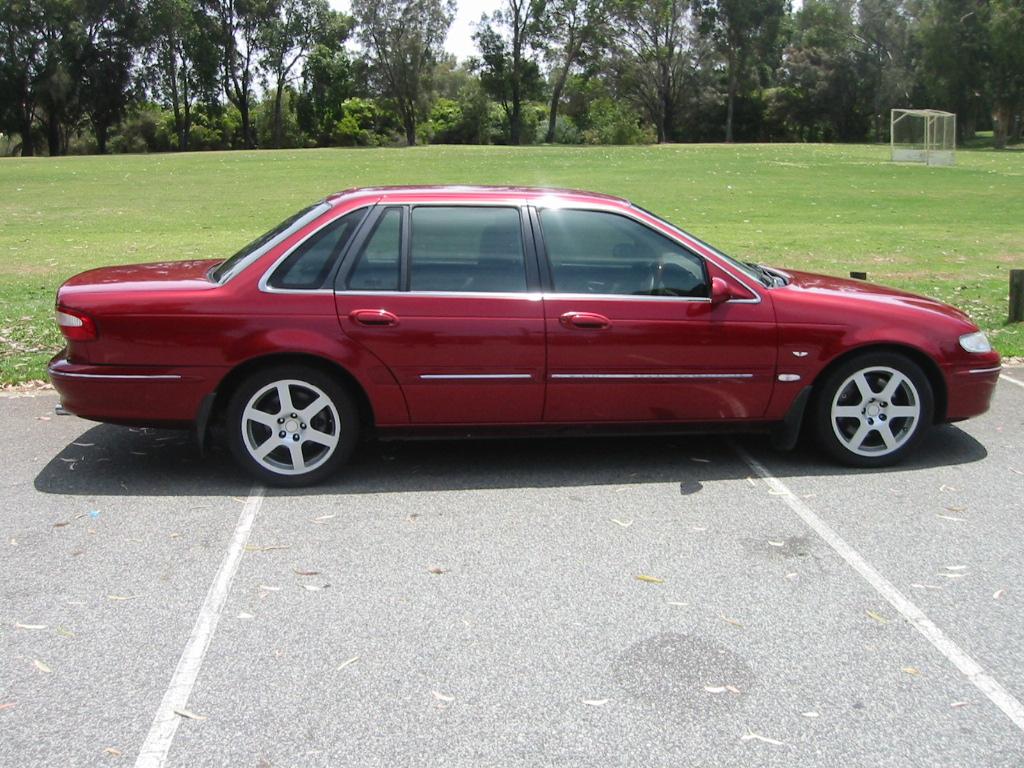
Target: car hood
857 290
163 275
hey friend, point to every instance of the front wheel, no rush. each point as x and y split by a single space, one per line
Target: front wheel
291 426
872 409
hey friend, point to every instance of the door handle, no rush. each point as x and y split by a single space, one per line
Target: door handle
585 320
373 317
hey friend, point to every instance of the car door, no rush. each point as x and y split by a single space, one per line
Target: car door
447 297
632 333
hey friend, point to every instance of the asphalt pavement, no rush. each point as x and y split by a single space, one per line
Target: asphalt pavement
661 601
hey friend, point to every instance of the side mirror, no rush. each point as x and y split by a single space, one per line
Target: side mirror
721 291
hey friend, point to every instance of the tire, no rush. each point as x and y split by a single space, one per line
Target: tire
873 409
319 423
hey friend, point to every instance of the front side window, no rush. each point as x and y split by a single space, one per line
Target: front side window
308 266
604 253
467 249
377 265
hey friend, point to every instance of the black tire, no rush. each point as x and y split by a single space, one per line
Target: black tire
281 466
862 438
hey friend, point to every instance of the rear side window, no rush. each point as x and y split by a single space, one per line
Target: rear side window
308 266
377 265
467 249
598 252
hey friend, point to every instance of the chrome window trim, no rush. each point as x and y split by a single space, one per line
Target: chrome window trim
652 376
126 376
473 376
315 210
531 296
264 283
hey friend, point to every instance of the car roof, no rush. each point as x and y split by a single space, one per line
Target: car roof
470 193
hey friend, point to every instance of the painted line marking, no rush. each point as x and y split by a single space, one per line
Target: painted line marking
973 671
165 724
1010 379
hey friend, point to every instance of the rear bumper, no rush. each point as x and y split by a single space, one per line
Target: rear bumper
136 396
970 389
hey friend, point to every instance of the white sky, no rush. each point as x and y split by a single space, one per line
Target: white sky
460 36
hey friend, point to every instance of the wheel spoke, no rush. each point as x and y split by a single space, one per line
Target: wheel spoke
298 462
857 440
322 438
866 393
887 436
902 411
284 395
266 447
847 411
260 417
889 390
312 410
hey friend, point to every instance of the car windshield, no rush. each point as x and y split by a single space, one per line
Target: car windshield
250 253
748 269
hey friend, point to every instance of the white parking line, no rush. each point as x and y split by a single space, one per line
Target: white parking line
1010 379
984 682
165 724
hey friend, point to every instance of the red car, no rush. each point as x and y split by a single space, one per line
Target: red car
468 309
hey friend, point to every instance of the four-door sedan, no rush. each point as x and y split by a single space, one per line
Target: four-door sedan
422 310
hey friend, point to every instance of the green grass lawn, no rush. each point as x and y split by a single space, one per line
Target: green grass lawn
951 233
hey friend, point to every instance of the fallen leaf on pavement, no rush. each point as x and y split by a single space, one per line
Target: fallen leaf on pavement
954 575
244 615
948 488
437 570
649 579
958 704
750 735
297 572
63 632
734 622
41 666
811 714
911 670
442 696
315 587
954 519
925 586
189 714
114 751
877 617
268 588
624 524
998 594
322 518
267 548
595 702
675 602
714 688
62 524
776 543
8 705
121 597
30 626
345 663
956 567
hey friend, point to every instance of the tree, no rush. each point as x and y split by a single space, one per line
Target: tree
403 40
240 25
741 30
575 27
508 70
21 65
287 38
884 33
1006 75
652 56
182 46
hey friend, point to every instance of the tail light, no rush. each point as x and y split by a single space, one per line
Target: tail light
76 325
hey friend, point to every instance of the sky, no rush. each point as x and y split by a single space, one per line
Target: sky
460 36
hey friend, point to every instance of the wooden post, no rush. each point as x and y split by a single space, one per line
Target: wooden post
1016 295
859 275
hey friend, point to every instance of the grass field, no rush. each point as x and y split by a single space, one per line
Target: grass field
951 233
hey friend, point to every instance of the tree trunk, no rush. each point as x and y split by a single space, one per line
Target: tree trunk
1000 124
28 147
731 99
410 129
101 138
53 135
278 127
556 97
243 109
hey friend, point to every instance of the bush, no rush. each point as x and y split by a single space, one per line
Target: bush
615 123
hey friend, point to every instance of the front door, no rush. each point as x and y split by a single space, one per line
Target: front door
633 335
443 296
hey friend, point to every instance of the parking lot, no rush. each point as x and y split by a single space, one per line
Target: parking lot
660 601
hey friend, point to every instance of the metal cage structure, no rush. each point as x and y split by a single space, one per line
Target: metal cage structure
923 136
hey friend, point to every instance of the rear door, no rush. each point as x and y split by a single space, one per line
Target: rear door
447 296
632 333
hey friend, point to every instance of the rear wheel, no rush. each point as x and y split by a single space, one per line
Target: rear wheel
291 425
872 409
